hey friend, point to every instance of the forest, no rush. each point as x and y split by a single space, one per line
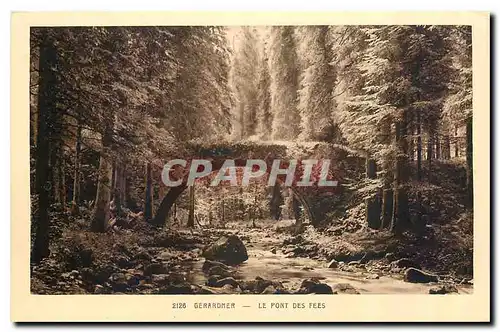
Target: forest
391 105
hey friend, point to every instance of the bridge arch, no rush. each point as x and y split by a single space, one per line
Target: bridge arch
174 193
350 165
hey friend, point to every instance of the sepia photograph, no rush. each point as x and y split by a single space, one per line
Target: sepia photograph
267 159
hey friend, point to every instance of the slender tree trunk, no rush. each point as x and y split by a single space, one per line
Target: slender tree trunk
123 188
101 210
438 147
275 202
457 146
55 162
223 208
446 147
117 191
60 185
400 216
411 144
469 160
148 200
372 204
190 222
419 147
430 153
75 209
295 207
387 206
175 211
46 108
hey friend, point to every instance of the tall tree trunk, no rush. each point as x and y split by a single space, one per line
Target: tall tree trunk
46 108
469 160
75 209
55 162
419 147
430 153
223 209
438 147
372 204
190 222
400 216
175 212
457 146
148 199
101 210
411 144
446 147
117 190
123 187
62 180
275 202
387 206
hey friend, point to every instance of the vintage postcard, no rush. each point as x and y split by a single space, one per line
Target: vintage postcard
250 167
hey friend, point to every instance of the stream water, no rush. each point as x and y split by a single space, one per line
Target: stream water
292 271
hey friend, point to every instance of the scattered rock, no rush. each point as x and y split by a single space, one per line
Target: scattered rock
227 249
119 282
419 276
333 264
182 288
226 281
99 289
273 250
208 264
405 263
155 268
344 288
124 262
259 285
227 289
218 270
161 279
197 251
313 286
443 289
142 255
372 276
269 290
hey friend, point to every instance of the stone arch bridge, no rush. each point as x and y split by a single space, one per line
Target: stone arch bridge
345 165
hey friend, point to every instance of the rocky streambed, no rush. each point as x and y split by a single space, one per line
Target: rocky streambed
266 263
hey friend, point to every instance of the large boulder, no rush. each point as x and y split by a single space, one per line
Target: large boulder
227 249
419 276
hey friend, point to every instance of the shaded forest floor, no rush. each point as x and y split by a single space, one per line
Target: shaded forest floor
346 255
